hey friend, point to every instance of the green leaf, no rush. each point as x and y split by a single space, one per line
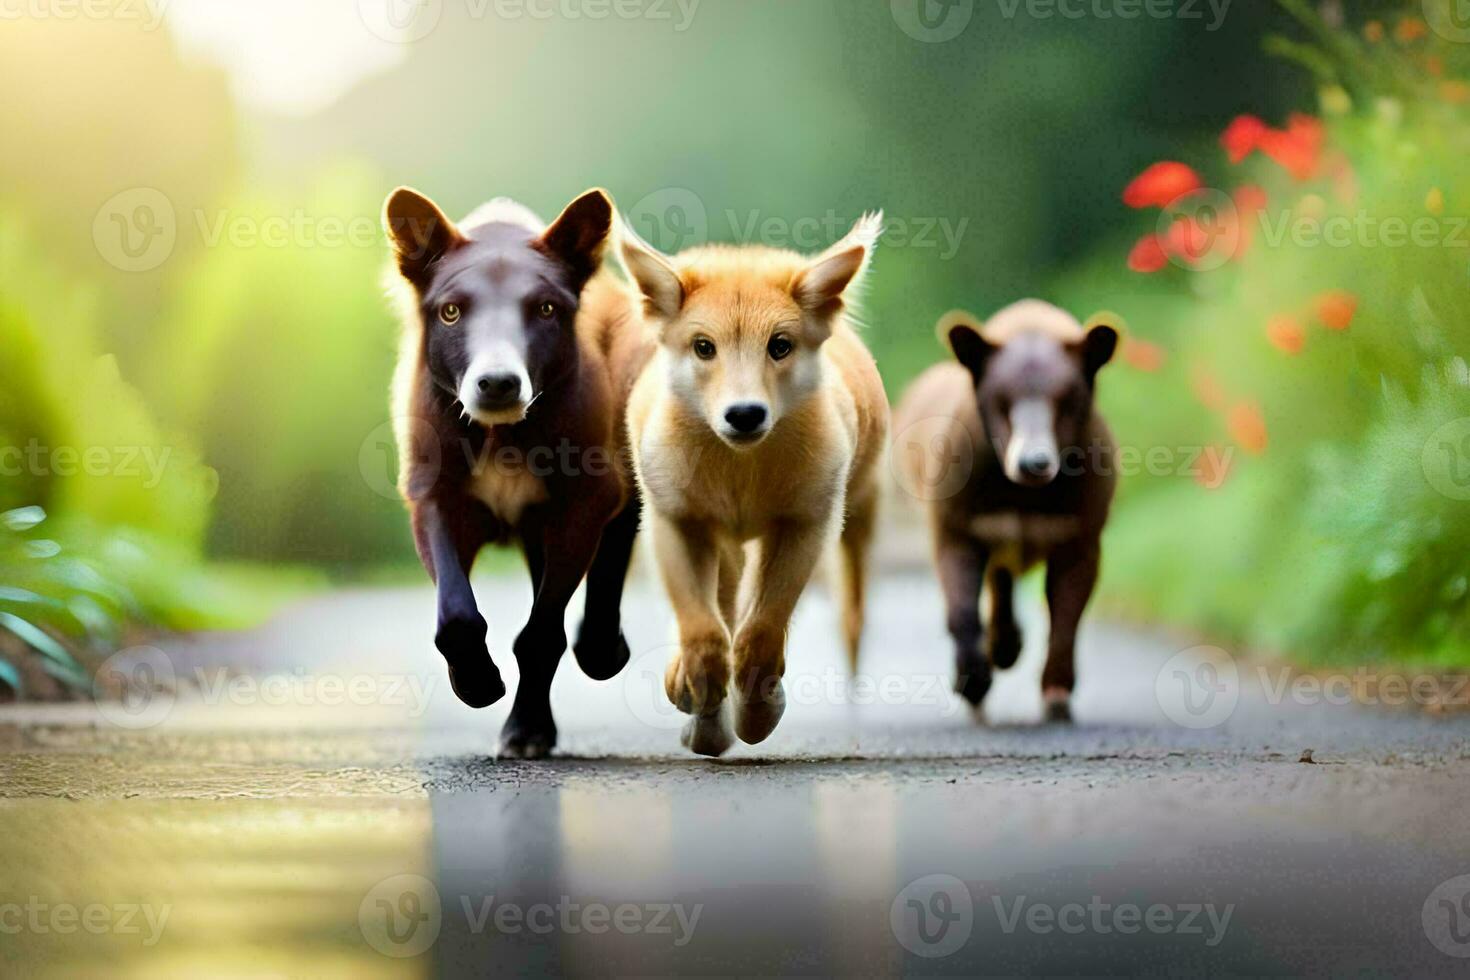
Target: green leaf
23 597
11 676
41 641
22 518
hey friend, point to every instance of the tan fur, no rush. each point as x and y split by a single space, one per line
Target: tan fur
813 479
1016 319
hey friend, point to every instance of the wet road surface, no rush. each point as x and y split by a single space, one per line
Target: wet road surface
332 810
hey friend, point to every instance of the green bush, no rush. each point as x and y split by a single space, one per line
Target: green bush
129 502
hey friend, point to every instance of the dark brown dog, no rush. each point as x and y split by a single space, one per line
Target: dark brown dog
1016 468
509 405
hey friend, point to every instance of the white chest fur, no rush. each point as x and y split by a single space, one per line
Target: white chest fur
507 487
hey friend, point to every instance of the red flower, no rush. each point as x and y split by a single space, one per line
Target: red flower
1336 309
1143 355
1298 147
1148 255
1206 231
1242 136
1247 426
1250 199
1286 334
1160 185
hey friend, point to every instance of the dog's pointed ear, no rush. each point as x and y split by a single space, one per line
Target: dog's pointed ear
579 234
1100 335
961 332
418 231
819 288
657 279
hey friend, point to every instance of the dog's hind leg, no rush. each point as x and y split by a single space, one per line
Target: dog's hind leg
1003 637
1071 573
856 542
448 538
697 679
601 649
789 553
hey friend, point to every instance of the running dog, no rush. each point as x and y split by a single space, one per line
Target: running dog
1016 466
509 401
760 419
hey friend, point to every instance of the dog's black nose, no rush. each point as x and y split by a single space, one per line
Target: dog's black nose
499 389
1037 464
746 418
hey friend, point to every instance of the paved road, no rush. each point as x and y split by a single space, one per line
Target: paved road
348 811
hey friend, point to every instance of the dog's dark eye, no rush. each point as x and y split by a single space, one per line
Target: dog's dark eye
449 313
779 347
547 310
704 348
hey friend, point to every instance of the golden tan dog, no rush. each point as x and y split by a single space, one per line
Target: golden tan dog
760 419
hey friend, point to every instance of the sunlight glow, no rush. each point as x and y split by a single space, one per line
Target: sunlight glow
283 56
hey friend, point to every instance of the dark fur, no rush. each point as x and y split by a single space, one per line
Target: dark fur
993 528
585 522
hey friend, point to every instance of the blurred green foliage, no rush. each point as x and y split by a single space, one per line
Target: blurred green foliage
1347 536
131 502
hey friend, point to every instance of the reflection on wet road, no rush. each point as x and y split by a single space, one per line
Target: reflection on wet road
295 828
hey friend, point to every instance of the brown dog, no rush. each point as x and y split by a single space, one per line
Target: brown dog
761 420
509 402
1016 468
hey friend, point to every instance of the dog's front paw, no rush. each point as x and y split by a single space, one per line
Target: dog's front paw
527 738
1058 702
709 734
757 717
601 653
972 681
472 674
1003 646
696 679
